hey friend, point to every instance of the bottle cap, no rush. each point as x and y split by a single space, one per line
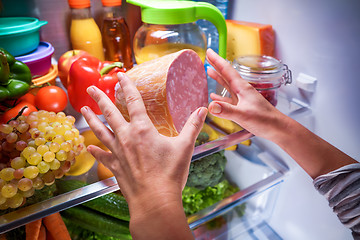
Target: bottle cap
79 3
111 3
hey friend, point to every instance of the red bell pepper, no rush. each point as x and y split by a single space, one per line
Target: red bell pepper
88 71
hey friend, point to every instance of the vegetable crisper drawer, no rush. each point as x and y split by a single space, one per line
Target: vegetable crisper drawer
244 214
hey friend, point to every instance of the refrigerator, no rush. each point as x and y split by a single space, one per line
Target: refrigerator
318 40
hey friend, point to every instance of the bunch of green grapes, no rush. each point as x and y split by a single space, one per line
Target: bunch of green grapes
34 151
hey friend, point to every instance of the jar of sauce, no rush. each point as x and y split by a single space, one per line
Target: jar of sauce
265 73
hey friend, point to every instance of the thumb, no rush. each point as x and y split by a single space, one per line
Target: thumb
223 110
194 124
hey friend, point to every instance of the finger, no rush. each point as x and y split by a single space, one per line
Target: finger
99 154
216 97
217 77
112 115
225 70
98 127
223 110
134 101
193 125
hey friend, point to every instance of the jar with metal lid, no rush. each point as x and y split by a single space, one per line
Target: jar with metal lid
265 73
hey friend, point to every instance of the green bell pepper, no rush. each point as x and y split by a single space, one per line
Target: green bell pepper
15 77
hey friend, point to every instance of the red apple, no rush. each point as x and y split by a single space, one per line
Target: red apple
65 62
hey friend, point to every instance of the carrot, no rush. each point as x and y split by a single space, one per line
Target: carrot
56 226
32 230
42 234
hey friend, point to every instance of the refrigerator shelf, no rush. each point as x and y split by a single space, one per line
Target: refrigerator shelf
61 202
276 170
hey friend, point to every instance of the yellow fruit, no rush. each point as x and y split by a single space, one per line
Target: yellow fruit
91 139
83 163
103 172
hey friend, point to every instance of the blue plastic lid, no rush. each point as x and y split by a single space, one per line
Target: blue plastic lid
43 50
13 25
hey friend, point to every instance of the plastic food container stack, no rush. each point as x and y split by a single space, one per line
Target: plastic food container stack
20 36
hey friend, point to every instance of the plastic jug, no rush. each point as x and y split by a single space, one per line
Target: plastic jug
170 26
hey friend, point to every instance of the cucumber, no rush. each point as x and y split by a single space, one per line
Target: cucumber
97 222
111 204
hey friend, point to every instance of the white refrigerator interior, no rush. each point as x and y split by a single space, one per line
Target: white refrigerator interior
319 39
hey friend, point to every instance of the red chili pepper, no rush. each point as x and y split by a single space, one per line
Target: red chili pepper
88 71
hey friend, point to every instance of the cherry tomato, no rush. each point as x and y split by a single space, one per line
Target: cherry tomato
51 98
28 97
11 113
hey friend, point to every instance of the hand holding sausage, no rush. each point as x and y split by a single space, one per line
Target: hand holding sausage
151 169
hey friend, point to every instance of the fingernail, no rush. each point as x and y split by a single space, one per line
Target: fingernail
84 109
215 108
90 89
120 75
201 111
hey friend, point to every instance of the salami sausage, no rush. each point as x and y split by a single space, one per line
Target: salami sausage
172 87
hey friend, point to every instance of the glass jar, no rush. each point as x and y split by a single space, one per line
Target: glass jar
156 40
170 26
265 73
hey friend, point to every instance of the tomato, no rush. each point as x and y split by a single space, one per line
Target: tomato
51 98
15 111
28 97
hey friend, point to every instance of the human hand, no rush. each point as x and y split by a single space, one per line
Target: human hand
146 164
246 106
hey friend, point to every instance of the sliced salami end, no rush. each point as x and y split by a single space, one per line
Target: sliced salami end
172 87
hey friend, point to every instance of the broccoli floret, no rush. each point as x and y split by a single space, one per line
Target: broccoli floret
207 171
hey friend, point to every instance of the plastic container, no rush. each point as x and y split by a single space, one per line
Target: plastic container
39 61
50 77
115 34
20 35
212 35
209 29
265 73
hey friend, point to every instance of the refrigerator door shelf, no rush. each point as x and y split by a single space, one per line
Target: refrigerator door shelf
243 215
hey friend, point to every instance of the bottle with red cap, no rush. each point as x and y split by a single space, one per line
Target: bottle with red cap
115 34
84 32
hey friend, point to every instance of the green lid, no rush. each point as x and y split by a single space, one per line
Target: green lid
169 12
14 25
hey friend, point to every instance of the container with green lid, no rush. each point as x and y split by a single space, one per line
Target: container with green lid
20 35
170 26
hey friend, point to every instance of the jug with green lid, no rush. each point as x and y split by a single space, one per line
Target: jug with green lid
169 26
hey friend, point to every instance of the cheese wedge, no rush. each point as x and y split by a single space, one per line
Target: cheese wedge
246 38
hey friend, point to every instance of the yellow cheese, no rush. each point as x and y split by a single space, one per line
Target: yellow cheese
246 38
